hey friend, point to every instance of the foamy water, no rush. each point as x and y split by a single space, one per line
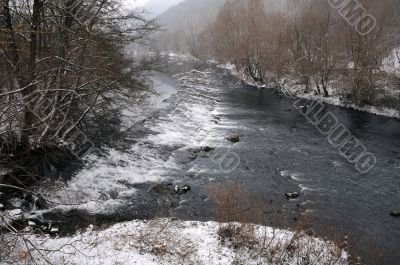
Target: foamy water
178 116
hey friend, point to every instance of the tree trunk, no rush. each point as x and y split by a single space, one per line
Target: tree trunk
326 93
27 93
12 49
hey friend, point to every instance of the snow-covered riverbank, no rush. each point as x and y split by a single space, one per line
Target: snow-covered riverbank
337 94
165 241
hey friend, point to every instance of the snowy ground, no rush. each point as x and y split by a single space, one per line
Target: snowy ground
166 241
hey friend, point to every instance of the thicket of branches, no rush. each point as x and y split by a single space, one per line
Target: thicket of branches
63 63
307 38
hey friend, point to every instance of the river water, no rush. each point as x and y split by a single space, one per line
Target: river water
279 152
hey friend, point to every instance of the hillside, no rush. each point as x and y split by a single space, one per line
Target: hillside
183 22
157 7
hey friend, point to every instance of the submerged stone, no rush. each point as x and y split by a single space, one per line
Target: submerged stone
185 188
292 195
206 149
169 189
234 138
54 230
395 213
182 190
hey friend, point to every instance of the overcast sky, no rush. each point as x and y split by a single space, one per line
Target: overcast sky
154 6
136 2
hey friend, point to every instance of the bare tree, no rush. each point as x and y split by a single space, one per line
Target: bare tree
52 52
309 39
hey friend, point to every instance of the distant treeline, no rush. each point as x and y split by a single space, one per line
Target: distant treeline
314 40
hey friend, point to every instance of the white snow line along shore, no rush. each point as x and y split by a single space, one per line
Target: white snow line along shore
291 89
165 241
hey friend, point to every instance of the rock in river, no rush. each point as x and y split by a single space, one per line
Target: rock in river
206 149
292 195
169 189
395 213
185 189
234 138
182 190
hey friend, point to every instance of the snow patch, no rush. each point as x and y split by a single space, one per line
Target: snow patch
175 242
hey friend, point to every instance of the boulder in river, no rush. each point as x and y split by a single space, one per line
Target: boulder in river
185 189
169 189
206 149
395 213
182 190
195 150
54 230
292 195
233 138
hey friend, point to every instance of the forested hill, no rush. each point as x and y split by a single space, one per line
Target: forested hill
184 22
157 7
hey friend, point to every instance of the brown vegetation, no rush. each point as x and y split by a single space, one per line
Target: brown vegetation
262 244
309 40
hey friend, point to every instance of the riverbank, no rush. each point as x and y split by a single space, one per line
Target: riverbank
338 95
167 241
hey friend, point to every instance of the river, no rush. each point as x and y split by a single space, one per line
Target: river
279 151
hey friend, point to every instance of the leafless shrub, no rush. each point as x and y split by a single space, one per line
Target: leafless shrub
160 238
267 244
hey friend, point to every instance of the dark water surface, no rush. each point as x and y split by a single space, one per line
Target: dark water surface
281 152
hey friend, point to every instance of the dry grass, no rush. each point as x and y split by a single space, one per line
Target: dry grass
229 201
263 244
160 239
